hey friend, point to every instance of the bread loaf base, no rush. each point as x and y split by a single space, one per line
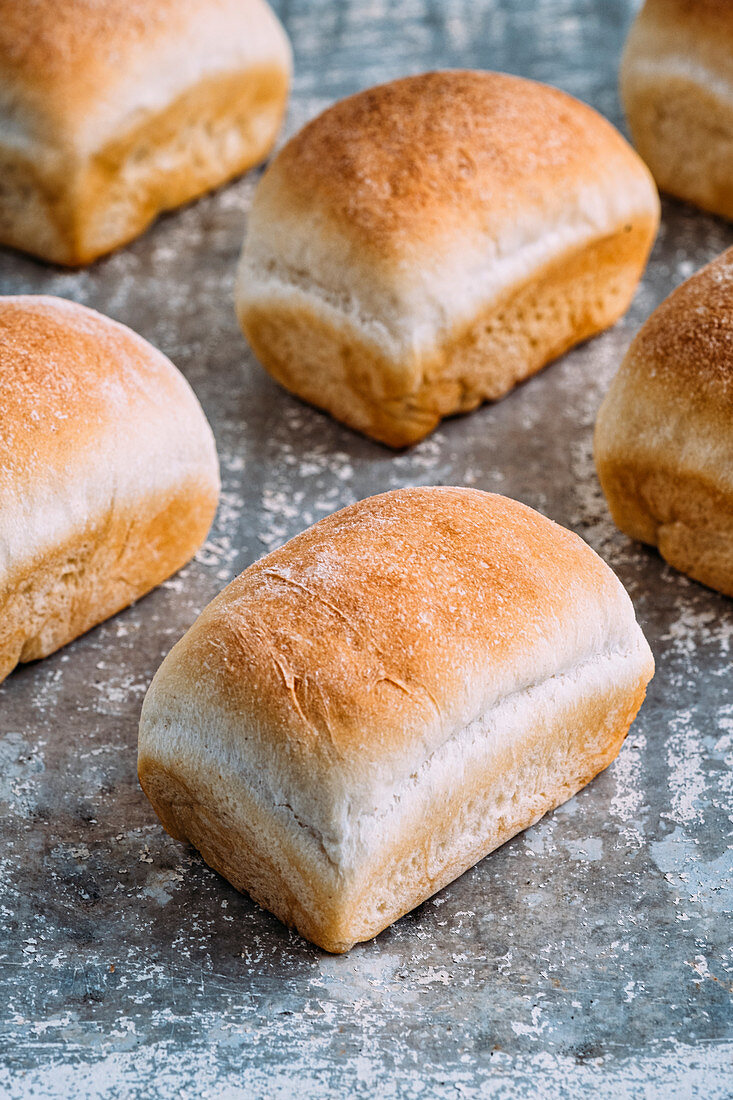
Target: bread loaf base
212 132
325 360
533 751
683 514
97 572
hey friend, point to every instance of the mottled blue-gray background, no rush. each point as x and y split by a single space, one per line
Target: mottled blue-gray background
590 955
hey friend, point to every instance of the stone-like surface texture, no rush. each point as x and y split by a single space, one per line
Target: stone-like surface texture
590 956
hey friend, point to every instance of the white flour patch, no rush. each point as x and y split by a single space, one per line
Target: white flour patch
116 690
628 804
161 884
20 766
539 840
694 628
686 769
700 967
628 800
433 975
533 1030
587 851
708 884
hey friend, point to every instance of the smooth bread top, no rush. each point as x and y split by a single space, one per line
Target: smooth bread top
92 417
438 157
378 632
688 340
70 376
77 70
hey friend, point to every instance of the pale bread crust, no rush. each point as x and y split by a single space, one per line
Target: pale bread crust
422 246
116 111
664 433
677 89
108 472
366 712
569 300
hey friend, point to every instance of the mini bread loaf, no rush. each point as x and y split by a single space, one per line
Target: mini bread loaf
425 245
112 111
664 433
677 90
108 473
366 712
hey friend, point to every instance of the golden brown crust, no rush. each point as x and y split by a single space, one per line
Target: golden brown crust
68 43
688 517
676 84
688 339
688 142
420 159
64 592
108 473
115 112
120 191
424 245
376 584
692 30
70 378
664 434
58 56
715 15
369 710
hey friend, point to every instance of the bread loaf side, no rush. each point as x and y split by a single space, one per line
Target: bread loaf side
664 433
366 712
425 245
108 472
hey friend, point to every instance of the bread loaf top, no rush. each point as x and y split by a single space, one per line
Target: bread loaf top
687 39
687 341
702 21
409 164
78 73
345 658
94 421
409 205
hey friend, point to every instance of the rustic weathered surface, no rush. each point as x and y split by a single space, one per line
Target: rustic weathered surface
590 955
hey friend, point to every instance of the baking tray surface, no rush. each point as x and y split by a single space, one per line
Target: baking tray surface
591 954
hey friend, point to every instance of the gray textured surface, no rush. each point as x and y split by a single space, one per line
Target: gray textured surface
590 955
